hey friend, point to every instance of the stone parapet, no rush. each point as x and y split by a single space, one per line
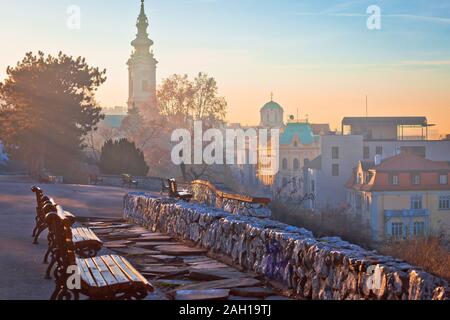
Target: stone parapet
313 268
206 193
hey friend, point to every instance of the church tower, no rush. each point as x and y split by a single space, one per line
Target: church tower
142 69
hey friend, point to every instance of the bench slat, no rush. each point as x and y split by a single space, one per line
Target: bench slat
130 270
101 282
125 269
105 272
115 270
84 235
86 275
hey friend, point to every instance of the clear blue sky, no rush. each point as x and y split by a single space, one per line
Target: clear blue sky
299 49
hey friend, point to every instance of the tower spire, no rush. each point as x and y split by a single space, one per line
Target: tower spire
142 68
142 43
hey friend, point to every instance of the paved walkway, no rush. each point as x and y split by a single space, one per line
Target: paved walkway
21 267
176 269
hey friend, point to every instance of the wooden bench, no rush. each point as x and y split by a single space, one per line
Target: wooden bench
86 242
127 180
174 193
40 224
108 277
164 187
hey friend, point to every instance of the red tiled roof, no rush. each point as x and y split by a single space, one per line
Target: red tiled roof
404 164
411 162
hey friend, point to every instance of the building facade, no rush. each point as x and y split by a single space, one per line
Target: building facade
402 197
341 153
299 143
298 146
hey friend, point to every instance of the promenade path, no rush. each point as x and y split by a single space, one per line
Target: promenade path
21 267
162 261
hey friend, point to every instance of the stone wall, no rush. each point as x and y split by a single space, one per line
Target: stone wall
206 193
325 268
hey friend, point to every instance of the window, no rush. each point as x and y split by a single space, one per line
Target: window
397 230
416 202
419 229
444 202
296 164
443 179
335 153
285 164
313 186
366 153
306 162
295 144
415 178
379 150
294 184
416 150
335 170
285 182
395 180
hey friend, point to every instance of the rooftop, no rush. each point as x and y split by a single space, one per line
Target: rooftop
403 165
302 130
411 162
398 121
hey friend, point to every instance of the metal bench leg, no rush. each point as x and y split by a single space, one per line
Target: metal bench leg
47 254
40 229
49 268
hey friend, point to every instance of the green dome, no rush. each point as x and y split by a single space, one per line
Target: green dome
271 105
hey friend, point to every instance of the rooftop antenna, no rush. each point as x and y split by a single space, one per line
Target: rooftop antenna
271 96
367 106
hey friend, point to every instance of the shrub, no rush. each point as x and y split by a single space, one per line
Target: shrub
326 223
430 253
122 156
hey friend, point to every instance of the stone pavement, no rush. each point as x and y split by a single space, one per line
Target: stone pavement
177 270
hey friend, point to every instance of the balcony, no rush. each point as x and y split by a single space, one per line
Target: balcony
406 213
407 223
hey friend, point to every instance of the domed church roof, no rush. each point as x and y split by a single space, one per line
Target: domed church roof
271 105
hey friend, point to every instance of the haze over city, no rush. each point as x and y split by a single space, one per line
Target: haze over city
318 57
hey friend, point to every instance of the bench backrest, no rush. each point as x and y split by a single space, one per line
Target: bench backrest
59 225
41 201
173 186
38 192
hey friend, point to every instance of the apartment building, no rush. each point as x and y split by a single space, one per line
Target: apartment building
401 197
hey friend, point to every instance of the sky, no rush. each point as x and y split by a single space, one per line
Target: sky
317 57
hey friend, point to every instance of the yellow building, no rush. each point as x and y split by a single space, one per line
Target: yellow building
405 196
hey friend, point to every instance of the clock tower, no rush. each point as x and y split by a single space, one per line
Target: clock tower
142 69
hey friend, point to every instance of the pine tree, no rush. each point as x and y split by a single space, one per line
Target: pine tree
47 105
122 156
